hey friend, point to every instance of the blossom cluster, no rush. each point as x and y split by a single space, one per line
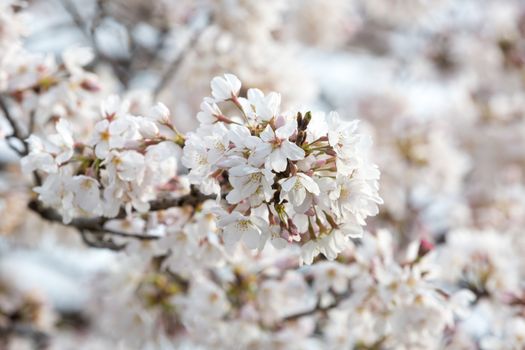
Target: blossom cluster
244 220
393 303
127 158
288 177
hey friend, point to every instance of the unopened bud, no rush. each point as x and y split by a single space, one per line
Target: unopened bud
424 247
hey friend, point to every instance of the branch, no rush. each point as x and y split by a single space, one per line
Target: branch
96 224
100 241
16 133
176 63
118 66
318 308
39 338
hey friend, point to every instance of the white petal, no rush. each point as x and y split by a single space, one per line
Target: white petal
234 82
288 184
301 222
279 243
298 196
292 151
231 236
268 134
277 161
255 96
352 230
287 130
101 150
223 88
234 196
251 238
309 251
310 185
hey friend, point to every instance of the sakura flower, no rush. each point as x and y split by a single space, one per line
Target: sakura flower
330 245
247 181
47 154
112 135
76 58
275 238
210 112
282 148
87 194
127 165
263 107
238 227
343 138
38 158
113 107
63 139
146 128
112 202
217 143
309 251
54 192
161 162
224 88
159 114
330 275
246 144
354 197
297 187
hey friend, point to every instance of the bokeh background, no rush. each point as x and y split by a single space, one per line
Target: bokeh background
438 84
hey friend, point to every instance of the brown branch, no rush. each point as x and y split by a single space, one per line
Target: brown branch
119 67
95 225
318 308
16 132
172 69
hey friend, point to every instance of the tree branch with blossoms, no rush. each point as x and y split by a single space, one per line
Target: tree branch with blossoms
338 299
285 178
97 225
298 178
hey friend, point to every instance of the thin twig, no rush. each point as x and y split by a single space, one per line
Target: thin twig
318 308
100 242
172 69
16 133
118 66
16 130
97 224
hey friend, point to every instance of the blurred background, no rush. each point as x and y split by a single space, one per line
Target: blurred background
438 84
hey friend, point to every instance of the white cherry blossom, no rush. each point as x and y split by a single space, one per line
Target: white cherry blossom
224 88
282 148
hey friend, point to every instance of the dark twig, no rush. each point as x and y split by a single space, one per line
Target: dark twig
99 241
176 63
16 132
96 224
318 308
39 338
118 66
